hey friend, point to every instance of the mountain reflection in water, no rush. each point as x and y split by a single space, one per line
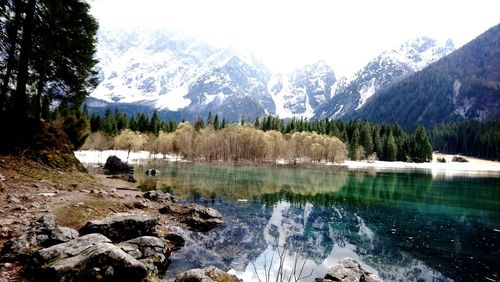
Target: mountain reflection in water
403 226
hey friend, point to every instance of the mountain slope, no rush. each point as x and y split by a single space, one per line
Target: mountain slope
303 91
384 70
465 84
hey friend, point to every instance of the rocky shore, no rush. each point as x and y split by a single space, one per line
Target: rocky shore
65 225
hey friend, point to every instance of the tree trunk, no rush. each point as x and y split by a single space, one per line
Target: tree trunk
39 97
12 31
20 96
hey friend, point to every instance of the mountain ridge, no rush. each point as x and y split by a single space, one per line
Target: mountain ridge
462 85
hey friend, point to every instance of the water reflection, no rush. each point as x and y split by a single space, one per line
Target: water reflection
405 226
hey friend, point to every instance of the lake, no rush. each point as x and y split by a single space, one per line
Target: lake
402 226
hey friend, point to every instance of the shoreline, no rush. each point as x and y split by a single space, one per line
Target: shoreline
474 166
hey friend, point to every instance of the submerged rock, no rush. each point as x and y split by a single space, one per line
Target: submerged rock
152 172
122 226
196 217
207 274
41 234
157 195
348 270
116 165
151 251
89 258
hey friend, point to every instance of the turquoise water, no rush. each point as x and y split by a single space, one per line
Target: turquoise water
402 226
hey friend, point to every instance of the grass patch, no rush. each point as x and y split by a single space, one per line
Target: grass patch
76 213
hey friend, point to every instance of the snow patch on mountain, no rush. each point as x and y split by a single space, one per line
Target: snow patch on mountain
300 92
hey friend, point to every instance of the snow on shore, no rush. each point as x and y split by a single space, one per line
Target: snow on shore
472 167
99 157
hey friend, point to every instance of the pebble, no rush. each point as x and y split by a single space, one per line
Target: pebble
36 185
2 178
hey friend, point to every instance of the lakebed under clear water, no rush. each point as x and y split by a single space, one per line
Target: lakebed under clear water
403 226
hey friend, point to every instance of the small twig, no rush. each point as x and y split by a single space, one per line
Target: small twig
256 273
113 210
126 188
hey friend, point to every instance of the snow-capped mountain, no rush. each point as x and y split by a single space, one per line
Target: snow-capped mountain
302 91
237 89
142 70
156 67
384 70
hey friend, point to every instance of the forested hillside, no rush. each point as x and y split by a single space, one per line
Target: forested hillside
465 84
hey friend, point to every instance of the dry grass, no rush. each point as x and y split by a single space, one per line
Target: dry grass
77 212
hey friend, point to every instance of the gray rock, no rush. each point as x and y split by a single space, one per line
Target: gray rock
151 251
88 258
70 248
196 217
174 241
156 195
41 234
207 274
349 270
122 226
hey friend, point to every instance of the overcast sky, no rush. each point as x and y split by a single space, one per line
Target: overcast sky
286 34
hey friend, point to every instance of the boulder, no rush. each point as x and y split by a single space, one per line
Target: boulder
207 274
122 226
152 172
157 195
41 234
89 258
349 270
115 165
151 251
196 217
174 241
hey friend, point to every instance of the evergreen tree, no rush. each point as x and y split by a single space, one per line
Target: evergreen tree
142 123
365 138
422 148
109 122
198 124
209 119
216 122
353 145
154 123
378 145
95 123
390 148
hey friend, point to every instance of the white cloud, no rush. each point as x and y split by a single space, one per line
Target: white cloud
290 33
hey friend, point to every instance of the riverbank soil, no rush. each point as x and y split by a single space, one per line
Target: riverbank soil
31 190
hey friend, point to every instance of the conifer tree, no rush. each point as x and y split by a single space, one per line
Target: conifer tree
353 145
422 148
365 138
390 148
